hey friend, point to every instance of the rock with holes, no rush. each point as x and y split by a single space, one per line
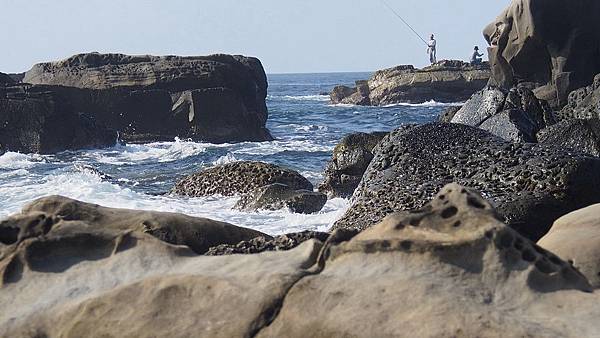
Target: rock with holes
239 178
515 115
580 135
576 237
531 185
445 81
451 269
278 196
350 159
263 244
46 215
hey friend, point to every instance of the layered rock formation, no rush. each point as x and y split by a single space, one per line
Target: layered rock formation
455 269
219 98
576 238
531 184
40 119
47 217
350 159
552 44
446 81
514 115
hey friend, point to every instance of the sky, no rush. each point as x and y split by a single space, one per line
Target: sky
289 36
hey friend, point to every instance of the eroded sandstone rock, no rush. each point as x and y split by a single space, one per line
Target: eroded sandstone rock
446 81
576 237
531 185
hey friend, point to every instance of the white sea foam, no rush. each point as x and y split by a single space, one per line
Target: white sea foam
88 187
322 98
157 152
229 158
12 160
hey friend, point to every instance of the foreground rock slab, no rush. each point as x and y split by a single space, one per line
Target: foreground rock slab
48 215
576 237
531 185
446 81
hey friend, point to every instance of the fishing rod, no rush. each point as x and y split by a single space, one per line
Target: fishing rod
406 23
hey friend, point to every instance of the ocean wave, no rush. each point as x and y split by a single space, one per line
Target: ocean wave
229 158
322 98
13 161
156 152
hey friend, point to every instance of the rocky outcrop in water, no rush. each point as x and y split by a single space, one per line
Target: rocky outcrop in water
446 81
280 196
263 244
52 218
218 98
350 159
531 185
515 115
454 268
528 45
576 238
40 119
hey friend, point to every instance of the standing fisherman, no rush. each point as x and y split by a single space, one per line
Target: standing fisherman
431 49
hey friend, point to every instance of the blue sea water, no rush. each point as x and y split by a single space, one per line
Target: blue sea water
306 127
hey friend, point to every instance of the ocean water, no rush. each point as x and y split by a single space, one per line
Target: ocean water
306 128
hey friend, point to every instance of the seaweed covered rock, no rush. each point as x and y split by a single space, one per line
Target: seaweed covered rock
445 81
576 237
581 135
239 178
52 216
515 115
280 196
351 157
528 45
531 185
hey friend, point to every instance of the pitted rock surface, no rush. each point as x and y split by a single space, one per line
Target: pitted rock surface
49 216
583 103
280 196
446 81
350 159
515 115
239 178
262 244
531 185
580 135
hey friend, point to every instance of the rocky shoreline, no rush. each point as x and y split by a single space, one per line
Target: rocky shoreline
484 224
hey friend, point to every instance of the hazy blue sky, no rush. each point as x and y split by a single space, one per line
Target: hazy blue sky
287 35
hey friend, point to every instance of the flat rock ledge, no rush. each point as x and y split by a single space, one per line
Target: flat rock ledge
450 269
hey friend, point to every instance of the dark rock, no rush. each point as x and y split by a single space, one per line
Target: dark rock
448 114
239 178
583 103
6 80
528 45
262 244
280 196
580 135
17 77
38 119
218 98
530 184
351 157
446 81
52 217
515 115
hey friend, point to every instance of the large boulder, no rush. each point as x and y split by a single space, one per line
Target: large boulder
239 178
46 216
531 185
445 81
350 159
218 98
515 115
38 119
581 135
576 237
452 269
554 44
280 196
